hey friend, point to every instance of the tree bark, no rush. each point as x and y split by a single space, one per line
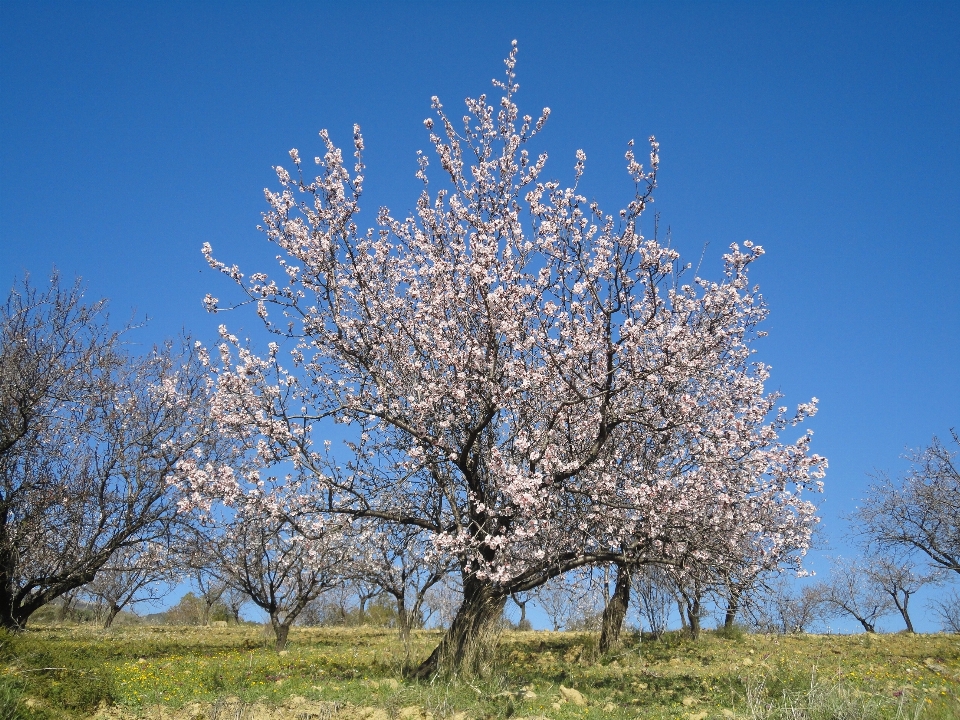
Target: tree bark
112 613
404 621
66 606
903 611
467 646
733 607
615 611
694 618
522 623
207 607
684 625
281 631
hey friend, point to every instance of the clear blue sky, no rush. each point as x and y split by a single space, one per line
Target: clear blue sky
131 133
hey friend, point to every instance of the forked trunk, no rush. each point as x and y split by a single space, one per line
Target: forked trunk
904 613
66 607
522 623
615 611
467 647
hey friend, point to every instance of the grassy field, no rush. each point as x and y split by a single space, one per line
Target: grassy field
191 673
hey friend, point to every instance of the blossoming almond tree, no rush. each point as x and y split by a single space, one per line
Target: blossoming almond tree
529 379
133 575
398 560
281 560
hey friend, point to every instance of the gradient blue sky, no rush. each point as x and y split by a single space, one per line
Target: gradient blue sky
131 133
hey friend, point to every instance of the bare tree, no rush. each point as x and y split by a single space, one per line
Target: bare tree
396 560
780 607
442 601
521 599
900 579
275 562
365 592
652 587
210 588
947 610
920 512
67 604
558 599
690 589
852 591
89 438
234 599
132 575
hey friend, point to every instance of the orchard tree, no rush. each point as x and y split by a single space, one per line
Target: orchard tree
134 574
269 549
920 512
521 600
234 600
852 591
398 561
780 607
90 440
196 563
947 610
529 380
559 599
651 585
900 579
442 601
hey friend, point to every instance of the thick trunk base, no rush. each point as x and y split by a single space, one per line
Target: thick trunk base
467 648
281 631
614 613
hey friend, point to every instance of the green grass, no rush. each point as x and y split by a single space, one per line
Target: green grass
79 672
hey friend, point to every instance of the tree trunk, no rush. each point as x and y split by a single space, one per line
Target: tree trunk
467 646
281 630
615 611
904 613
207 607
733 607
16 608
522 624
66 606
404 621
684 625
112 613
694 619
